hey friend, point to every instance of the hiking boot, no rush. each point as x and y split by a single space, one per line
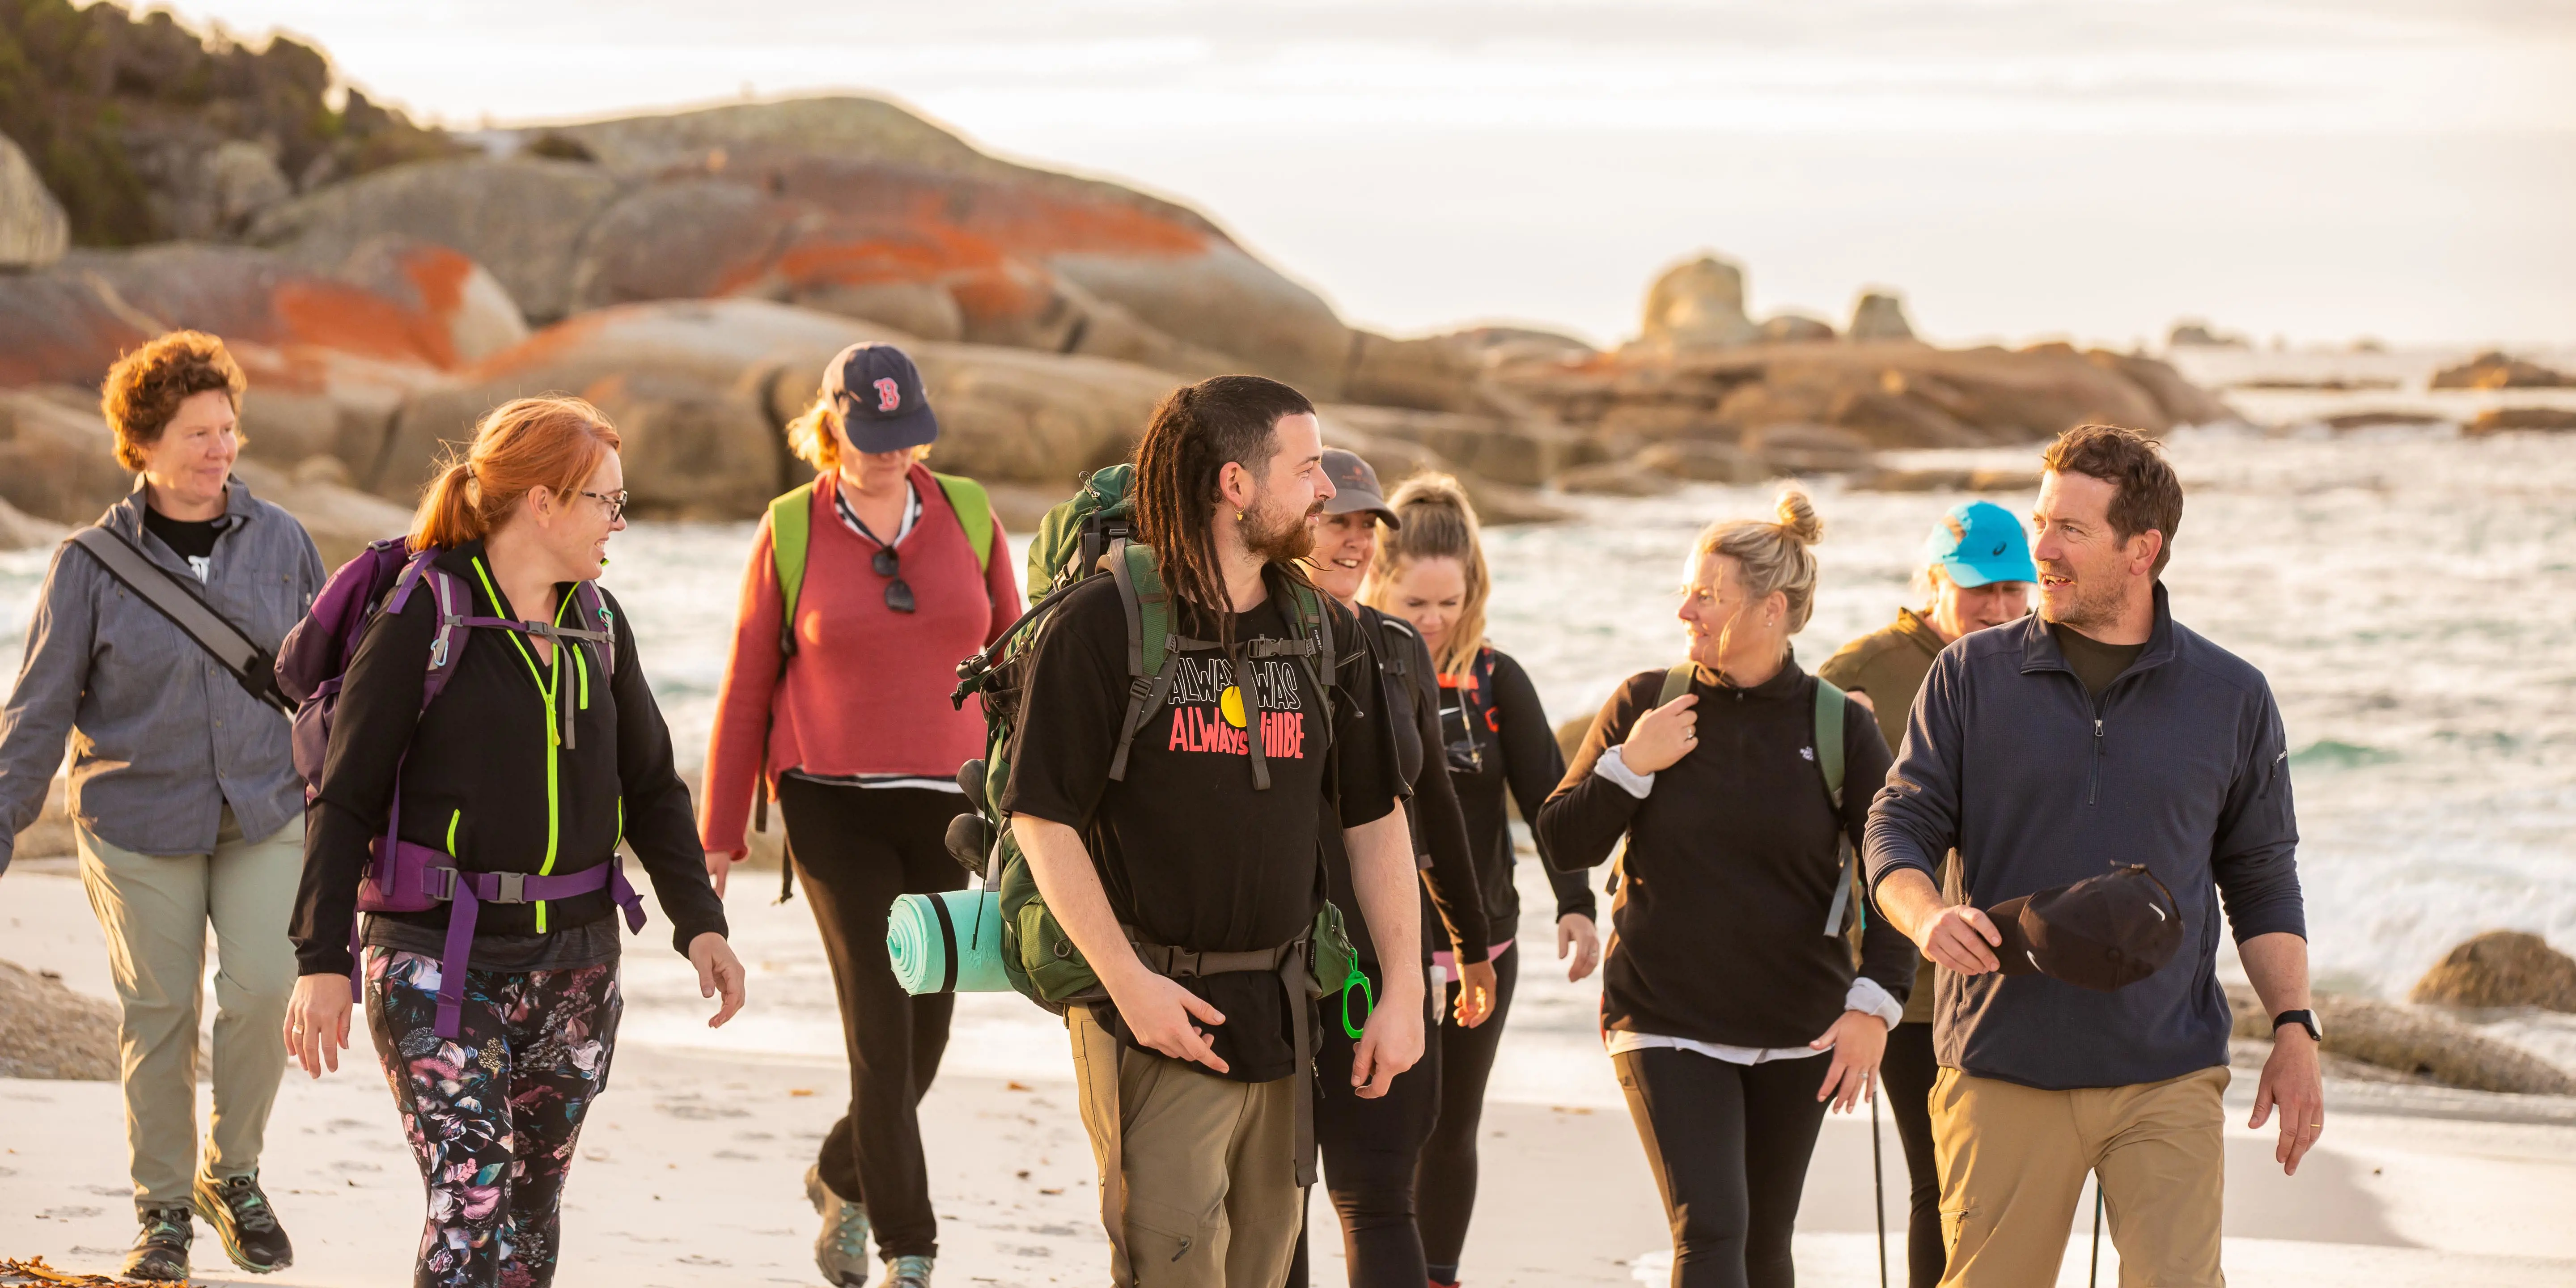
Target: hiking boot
841 1250
242 1218
907 1272
161 1248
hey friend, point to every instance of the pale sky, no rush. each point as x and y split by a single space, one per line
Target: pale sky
2320 169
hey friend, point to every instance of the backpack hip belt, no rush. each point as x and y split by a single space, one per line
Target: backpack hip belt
1289 963
423 878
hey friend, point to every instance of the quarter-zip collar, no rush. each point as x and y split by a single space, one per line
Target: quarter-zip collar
2039 651
1783 684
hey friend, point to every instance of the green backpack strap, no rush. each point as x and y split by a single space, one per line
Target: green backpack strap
791 531
1829 762
1677 682
1149 638
974 507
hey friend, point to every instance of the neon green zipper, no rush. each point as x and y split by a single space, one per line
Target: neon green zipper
549 687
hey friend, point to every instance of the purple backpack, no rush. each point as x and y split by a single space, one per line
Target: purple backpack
401 876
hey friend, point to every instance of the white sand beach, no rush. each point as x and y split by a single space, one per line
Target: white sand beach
691 1164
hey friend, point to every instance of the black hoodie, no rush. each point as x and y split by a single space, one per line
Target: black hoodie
482 775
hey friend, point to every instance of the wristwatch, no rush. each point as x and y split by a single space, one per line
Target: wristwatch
2304 1019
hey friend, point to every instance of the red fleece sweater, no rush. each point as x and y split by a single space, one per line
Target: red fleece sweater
867 692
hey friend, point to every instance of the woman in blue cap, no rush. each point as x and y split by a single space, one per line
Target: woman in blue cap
1977 573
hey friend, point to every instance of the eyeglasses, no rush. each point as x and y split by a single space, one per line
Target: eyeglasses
889 564
615 501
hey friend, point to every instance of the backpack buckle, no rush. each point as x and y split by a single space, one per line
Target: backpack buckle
509 887
439 883
1182 963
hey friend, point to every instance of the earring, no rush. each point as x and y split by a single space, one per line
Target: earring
1238 516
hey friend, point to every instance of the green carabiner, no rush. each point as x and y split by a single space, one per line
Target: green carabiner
1357 980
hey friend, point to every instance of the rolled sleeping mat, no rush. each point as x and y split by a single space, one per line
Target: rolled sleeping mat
947 943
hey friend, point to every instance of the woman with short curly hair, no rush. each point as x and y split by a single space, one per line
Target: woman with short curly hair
183 792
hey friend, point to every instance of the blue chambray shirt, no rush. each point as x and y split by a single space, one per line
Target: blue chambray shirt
162 737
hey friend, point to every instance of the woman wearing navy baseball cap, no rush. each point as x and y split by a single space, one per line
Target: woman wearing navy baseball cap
865 587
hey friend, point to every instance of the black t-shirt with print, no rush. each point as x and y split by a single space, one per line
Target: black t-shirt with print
1190 854
193 540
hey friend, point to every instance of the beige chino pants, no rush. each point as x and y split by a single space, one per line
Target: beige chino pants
2013 1162
1197 1173
155 911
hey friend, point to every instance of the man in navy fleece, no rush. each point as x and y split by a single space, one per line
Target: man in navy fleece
2098 731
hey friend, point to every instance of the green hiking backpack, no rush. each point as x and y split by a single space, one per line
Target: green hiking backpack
1829 763
1089 534
791 532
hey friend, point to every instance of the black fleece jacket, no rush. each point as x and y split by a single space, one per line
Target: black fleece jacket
480 769
1718 933
1409 693
1519 755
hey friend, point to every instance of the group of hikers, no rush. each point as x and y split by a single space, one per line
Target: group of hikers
1243 775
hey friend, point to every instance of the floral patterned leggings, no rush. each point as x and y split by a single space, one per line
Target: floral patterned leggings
493 1113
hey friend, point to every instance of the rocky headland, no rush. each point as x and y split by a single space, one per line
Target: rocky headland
384 284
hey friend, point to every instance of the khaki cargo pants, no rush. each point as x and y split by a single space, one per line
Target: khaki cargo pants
2013 1161
155 911
1197 1173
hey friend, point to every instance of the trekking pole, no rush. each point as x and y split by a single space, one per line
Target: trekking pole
1878 1181
2094 1280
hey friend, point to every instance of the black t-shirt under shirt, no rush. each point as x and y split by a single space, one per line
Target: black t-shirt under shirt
193 540
2095 663
1189 853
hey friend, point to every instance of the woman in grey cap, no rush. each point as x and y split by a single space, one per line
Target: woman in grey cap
1373 1147
865 587
183 791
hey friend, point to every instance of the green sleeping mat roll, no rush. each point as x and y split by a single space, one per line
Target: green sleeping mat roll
948 943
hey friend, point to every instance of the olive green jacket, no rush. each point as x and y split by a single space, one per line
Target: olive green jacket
1889 665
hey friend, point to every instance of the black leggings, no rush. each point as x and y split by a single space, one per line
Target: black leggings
1729 1145
1445 1190
1370 1149
1907 1071
855 849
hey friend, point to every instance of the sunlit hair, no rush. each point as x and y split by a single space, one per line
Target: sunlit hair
1770 555
1196 431
555 442
144 389
811 440
1439 522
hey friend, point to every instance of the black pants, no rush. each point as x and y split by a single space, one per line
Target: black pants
1729 1145
1445 1190
1908 1069
1370 1149
855 849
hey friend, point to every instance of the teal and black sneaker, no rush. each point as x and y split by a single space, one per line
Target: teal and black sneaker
161 1248
841 1250
907 1272
244 1221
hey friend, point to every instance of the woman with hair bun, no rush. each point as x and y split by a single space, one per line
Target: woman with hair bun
1430 570
1729 972
542 752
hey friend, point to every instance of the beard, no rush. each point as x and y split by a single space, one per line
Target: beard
2094 602
1280 538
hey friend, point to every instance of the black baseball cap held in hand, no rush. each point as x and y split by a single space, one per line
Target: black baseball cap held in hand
2103 933
876 391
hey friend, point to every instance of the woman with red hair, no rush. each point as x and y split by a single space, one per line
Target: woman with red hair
539 756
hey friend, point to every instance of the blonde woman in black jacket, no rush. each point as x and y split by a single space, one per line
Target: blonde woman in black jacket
1731 1012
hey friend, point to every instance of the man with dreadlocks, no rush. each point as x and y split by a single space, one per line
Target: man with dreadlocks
1188 876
